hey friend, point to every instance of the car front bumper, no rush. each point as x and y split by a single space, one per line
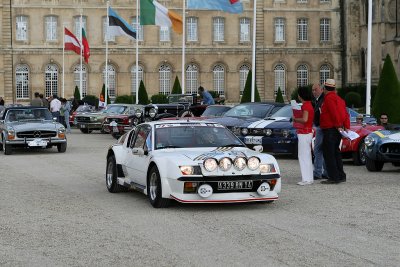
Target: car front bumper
274 145
90 126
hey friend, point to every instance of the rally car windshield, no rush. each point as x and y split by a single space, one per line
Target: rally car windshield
195 136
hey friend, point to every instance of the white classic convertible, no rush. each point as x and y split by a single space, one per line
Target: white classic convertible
190 162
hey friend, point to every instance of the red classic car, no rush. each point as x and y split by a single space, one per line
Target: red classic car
355 149
118 124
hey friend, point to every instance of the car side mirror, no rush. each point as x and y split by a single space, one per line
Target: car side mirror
258 148
138 151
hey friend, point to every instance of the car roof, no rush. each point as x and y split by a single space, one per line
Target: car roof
179 120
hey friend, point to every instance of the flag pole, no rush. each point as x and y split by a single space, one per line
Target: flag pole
183 47
369 55
106 85
253 73
137 52
80 71
63 63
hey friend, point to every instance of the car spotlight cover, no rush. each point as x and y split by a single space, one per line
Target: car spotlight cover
187 170
267 168
253 163
267 132
210 164
240 164
152 112
225 164
245 131
369 141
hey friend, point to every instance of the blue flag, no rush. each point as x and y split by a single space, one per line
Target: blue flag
221 5
118 26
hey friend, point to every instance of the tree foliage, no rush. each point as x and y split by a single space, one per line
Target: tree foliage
125 99
387 96
159 99
91 100
143 96
77 94
279 96
176 89
353 100
246 97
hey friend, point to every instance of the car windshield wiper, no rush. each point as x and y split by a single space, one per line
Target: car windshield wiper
169 146
232 145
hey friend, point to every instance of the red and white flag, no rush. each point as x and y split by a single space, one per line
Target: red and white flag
71 42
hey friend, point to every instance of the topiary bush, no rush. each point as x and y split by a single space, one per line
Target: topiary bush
159 99
246 97
143 97
77 94
279 96
177 88
91 100
353 100
125 99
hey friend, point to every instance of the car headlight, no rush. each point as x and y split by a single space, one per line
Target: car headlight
61 132
253 163
187 170
135 121
245 131
267 132
225 164
285 133
267 168
152 112
107 120
236 131
369 141
240 164
210 164
10 133
138 113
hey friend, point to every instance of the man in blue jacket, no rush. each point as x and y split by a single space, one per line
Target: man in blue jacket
207 97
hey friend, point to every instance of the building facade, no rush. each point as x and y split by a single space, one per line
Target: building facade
298 42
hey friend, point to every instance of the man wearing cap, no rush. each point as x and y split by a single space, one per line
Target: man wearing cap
334 119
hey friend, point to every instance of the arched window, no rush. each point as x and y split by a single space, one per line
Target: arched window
302 75
165 79
77 78
280 78
192 79
51 80
219 79
324 73
22 81
111 80
135 87
243 72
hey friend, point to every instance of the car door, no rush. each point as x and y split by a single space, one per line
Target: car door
137 161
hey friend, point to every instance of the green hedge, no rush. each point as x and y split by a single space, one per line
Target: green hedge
125 99
159 99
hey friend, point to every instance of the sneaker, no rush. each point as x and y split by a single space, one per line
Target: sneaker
304 183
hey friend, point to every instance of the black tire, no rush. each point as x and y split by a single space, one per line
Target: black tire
85 131
359 156
373 165
154 189
7 149
111 176
185 114
62 147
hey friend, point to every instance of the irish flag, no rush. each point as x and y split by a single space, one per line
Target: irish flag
152 13
71 42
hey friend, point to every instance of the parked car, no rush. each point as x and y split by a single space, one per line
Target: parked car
82 109
30 127
212 111
119 124
179 105
190 162
367 119
382 147
94 121
244 114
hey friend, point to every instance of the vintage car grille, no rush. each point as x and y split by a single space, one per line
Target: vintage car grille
83 119
391 150
36 134
117 120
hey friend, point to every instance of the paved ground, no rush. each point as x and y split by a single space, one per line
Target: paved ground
55 211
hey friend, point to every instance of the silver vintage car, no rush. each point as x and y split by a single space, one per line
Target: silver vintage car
30 127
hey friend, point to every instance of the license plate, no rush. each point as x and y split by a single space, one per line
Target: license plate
253 140
82 126
37 142
115 129
235 185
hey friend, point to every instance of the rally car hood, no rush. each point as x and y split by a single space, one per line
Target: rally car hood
272 123
388 136
34 125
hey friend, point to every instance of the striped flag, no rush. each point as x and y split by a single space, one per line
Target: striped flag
231 6
71 42
118 26
153 13
86 49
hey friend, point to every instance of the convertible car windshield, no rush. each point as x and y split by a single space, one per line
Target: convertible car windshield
115 109
28 114
248 110
194 136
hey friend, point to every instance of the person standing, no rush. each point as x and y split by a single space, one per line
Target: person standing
55 106
1 101
207 97
66 108
319 163
304 135
36 101
334 119
44 101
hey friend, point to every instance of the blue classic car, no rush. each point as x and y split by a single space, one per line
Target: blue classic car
245 114
382 147
276 133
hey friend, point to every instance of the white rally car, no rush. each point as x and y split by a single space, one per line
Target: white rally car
191 162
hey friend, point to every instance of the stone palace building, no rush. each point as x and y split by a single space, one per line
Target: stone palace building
298 42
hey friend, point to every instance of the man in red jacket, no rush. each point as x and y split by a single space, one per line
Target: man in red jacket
334 119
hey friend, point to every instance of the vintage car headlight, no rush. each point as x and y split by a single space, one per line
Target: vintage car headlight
152 112
240 164
369 141
135 121
285 133
187 170
225 164
138 113
107 120
245 131
267 132
61 132
10 133
267 168
253 163
210 164
236 131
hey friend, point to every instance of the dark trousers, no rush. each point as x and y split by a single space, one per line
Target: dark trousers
332 156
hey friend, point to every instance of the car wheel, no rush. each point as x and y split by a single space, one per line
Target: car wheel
7 149
111 176
373 165
154 189
359 156
62 147
86 131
